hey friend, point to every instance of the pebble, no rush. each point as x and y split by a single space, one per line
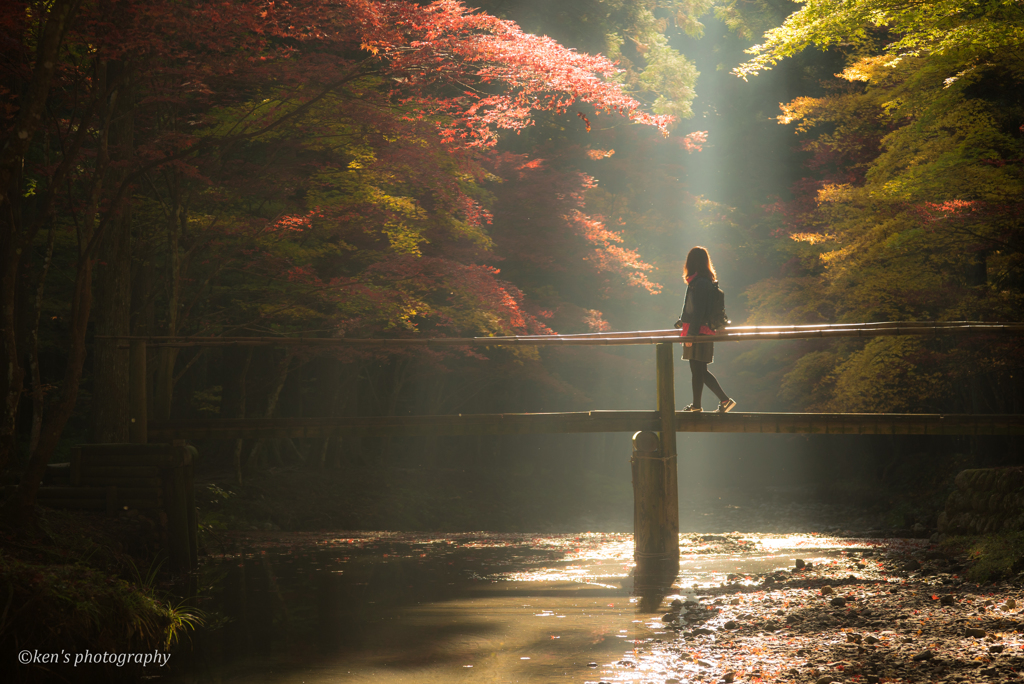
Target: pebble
799 563
728 677
879 626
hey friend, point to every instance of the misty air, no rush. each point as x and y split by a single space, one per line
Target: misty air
596 341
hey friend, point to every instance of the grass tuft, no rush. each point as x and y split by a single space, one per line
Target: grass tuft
991 557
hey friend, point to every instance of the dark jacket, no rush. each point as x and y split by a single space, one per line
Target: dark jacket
697 304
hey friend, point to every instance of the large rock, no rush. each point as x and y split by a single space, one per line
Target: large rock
985 500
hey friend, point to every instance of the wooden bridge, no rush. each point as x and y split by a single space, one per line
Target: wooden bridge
656 522
664 418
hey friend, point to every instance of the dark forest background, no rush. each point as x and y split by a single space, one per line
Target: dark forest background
854 181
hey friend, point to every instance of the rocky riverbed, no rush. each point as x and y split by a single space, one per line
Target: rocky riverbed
884 611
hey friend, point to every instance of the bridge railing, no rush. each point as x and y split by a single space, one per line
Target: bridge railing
663 419
746 333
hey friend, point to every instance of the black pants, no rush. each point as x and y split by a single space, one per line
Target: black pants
702 376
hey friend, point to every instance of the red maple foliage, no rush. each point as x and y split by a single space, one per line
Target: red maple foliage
217 94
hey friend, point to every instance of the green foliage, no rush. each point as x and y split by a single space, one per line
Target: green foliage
881 378
634 33
206 402
75 606
748 18
911 208
992 556
943 27
671 76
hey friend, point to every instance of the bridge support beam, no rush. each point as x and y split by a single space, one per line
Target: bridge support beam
656 488
655 518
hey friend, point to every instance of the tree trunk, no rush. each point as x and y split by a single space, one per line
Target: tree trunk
13 379
237 460
334 381
112 313
397 383
13 239
163 387
32 105
17 508
24 498
37 382
280 377
290 447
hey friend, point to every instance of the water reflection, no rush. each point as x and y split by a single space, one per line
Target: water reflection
464 607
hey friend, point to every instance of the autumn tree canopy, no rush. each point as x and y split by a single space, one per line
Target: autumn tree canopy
304 167
911 205
397 168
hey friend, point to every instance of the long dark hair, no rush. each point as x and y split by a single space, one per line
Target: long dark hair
698 262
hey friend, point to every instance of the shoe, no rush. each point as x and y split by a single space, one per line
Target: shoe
726 406
693 409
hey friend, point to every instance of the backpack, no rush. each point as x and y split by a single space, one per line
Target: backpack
718 319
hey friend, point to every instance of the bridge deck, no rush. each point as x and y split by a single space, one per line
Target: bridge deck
592 421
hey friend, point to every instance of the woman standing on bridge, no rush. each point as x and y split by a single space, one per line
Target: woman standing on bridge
701 283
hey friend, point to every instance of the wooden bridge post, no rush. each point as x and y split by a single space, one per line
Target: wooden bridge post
655 528
667 411
137 412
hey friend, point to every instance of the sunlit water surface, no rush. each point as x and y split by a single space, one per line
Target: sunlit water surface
390 607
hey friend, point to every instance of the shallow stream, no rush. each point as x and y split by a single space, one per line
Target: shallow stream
295 608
